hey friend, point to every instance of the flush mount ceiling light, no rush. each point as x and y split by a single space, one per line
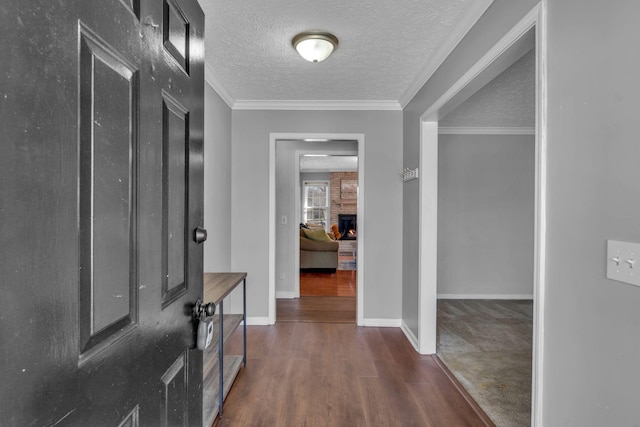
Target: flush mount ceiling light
315 46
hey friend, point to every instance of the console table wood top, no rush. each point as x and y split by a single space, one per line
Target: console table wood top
218 285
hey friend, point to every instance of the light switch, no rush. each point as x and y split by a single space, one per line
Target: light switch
283 220
622 262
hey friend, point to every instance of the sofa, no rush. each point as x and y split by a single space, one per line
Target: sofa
315 254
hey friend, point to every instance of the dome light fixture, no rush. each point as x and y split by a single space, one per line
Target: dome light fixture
315 46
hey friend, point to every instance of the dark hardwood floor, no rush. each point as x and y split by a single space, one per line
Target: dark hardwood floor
317 309
342 283
325 374
324 297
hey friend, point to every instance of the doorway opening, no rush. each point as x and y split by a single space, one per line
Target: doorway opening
486 185
526 35
316 268
327 269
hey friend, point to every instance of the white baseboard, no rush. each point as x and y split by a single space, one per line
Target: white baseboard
382 323
486 296
285 295
410 336
257 321
487 131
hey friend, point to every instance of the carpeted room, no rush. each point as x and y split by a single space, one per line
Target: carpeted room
486 168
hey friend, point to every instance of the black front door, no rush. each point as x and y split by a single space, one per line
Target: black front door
101 123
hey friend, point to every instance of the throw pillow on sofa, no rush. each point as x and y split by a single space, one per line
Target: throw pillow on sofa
317 235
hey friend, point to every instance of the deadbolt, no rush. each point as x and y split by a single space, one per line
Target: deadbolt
199 234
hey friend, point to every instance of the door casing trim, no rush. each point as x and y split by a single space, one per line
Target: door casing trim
273 139
427 275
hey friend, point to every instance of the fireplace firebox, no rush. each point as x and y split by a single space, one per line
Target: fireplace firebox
348 226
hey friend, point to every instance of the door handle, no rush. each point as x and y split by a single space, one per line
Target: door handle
199 234
202 310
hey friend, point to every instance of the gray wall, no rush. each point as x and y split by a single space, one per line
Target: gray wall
217 181
499 18
286 182
486 215
250 198
592 325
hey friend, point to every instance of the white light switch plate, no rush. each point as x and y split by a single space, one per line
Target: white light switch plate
623 262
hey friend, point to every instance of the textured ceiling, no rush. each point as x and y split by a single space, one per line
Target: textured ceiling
384 46
506 101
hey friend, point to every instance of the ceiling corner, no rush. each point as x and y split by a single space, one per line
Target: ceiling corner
460 29
213 80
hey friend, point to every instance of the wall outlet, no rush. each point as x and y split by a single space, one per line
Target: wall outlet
623 262
281 277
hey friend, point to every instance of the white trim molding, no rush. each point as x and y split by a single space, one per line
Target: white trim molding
486 130
525 24
213 80
257 321
468 19
382 323
360 286
285 295
539 280
428 238
536 18
487 296
340 105
410 336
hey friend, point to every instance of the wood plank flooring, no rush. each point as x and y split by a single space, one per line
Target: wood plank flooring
317 309
325 374
342 283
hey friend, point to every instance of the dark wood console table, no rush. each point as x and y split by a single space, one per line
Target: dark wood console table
220 370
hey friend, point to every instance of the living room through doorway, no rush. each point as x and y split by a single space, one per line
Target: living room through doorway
328 185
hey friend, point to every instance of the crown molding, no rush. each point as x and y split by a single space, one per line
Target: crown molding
460 29
487 130
317 105
508 40
457 33
213 80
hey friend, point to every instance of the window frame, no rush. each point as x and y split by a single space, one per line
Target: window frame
305 191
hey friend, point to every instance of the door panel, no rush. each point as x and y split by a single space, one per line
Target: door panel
108 150
91 333
176 33
132 419
175 158
174 410
133 6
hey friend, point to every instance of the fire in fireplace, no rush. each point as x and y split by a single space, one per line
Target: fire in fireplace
348 226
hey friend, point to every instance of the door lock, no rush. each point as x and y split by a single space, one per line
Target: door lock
202 310
199 234
203 313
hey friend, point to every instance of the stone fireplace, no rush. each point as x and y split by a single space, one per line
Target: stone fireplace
340 204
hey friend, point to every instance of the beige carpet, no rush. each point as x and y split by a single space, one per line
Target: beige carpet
487 345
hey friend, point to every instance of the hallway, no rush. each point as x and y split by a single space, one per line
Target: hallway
320 374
